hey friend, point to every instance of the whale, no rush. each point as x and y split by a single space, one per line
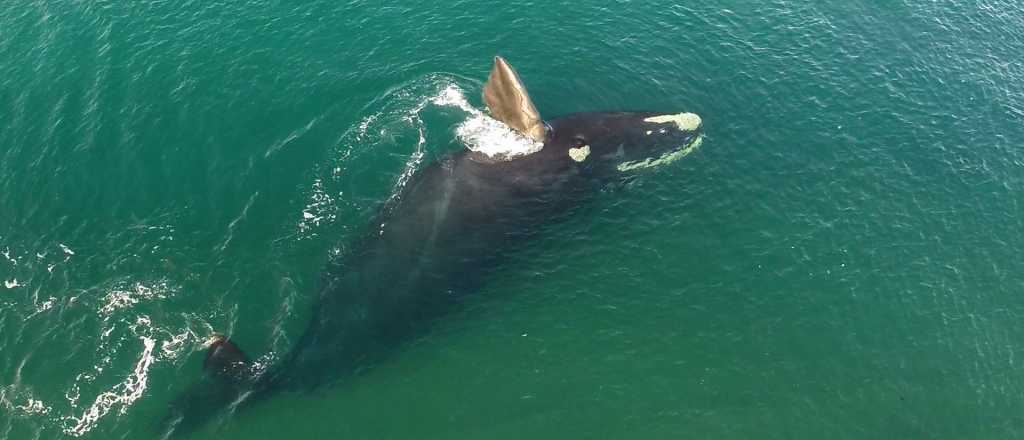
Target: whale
440 239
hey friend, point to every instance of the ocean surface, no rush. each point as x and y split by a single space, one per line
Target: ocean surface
840 259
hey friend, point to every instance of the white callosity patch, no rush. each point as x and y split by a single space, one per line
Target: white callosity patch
484 134
685 121
579 154
666 158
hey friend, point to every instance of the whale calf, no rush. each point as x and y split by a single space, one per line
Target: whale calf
450 227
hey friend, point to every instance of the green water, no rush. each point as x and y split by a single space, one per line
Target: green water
839 260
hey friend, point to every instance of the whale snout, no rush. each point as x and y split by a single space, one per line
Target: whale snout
625 141
668 137
672 130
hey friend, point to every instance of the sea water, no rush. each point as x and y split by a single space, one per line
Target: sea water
840 258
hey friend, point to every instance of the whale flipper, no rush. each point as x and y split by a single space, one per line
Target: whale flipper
508 101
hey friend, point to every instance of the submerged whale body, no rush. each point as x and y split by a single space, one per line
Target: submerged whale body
451 226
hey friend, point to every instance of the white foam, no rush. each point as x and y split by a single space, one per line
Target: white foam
31 405
40 308
7 255
364 125
46 305
174 346
34 406
123 394
319 208
484 134
122 298
487 135
12 283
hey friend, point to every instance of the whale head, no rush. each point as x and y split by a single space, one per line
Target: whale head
622 142
599 142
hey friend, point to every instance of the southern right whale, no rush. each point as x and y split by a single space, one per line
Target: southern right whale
451 226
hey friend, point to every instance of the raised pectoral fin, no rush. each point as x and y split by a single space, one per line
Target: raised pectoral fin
508 101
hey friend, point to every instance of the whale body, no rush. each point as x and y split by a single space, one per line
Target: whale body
450 227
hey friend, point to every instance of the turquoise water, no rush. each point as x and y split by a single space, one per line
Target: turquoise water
839 260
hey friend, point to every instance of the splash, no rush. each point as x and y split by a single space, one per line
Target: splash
484 134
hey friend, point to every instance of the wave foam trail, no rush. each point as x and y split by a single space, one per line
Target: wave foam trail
405 117
158 344
123 394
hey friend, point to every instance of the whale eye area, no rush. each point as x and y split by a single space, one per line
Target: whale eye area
578 141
